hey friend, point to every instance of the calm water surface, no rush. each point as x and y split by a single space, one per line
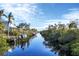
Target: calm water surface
34 47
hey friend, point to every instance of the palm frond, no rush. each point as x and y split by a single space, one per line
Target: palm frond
4 15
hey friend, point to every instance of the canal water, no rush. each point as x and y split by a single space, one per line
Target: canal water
34 47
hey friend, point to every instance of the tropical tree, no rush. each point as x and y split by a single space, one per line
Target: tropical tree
50 27
61 26
1 23
10 18
2 14
24 25
72 24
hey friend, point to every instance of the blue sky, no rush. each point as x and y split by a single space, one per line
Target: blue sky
40 15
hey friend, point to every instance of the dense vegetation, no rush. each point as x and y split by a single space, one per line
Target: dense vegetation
62 38
6 31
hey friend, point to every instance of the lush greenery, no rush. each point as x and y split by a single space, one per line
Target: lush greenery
6 32
62 38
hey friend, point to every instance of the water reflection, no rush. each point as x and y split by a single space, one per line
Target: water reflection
36 46
20 44
55 46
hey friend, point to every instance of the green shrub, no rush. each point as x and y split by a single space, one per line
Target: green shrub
3 45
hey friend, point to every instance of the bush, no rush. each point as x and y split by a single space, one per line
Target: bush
74 46
3 45
67 37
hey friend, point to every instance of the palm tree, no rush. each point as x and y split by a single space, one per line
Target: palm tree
2 14
1 23
10 18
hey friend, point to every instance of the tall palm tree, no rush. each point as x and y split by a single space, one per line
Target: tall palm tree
2 14
10 18
1 23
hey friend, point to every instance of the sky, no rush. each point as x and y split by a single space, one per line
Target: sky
40 15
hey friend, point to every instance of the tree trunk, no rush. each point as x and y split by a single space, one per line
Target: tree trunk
8 30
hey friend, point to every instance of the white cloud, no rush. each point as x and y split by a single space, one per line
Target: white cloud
22 12
65 18
45 24
72 15
56 21
74 9
28 13
40 28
